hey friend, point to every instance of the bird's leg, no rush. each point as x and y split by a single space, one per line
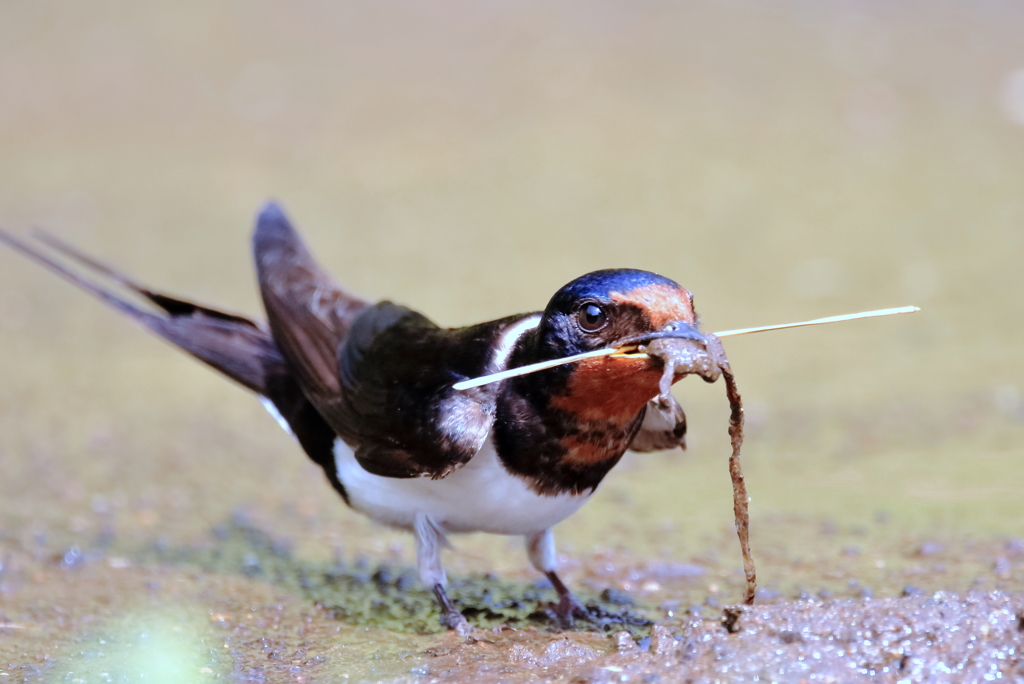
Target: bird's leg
430 539
541 549
568 607
450 616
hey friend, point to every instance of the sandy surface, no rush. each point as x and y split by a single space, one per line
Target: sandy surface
239 606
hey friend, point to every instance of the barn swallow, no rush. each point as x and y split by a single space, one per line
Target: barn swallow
366 389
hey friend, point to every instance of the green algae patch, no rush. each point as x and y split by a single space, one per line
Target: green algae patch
391 597
394 602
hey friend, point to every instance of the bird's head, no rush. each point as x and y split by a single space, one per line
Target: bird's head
628 310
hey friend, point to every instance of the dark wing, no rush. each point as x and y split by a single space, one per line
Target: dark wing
380 375
664 427
236 346
398 408
309 314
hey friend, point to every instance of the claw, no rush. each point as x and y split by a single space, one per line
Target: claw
456 622
569 610
451 618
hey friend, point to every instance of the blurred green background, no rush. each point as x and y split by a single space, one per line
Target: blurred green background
783 160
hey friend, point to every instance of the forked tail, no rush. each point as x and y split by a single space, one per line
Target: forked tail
238 347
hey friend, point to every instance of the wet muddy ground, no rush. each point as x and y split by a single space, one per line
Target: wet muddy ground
781 162
240 606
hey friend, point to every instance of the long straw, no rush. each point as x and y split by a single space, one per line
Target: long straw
543 365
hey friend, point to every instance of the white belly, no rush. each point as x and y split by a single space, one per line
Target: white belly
481 496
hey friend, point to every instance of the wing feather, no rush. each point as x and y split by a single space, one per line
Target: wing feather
381 375
309 314
399 410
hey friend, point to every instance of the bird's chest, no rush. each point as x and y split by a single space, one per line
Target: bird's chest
592 444
481 496
558 449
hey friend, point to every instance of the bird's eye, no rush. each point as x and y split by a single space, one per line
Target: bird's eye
592 318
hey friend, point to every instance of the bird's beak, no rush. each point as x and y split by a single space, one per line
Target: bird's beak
676 330
678 345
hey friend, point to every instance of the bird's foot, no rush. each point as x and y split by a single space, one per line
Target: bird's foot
456 622
451 618
569 610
